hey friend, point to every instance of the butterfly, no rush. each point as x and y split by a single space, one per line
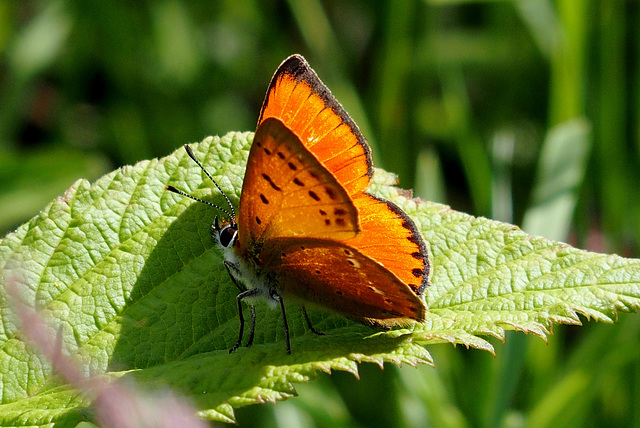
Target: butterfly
306 229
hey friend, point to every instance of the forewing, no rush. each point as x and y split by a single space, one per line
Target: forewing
298 98
287 192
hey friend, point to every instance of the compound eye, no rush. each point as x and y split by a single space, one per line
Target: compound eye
228 236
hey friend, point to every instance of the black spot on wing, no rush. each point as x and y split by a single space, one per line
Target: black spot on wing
330 192
270 181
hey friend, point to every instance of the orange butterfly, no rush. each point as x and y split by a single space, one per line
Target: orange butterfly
305 228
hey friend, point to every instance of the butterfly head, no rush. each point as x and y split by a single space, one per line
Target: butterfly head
225 232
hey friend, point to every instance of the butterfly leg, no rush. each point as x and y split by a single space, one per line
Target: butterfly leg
306 318
285 325
253 326
231 267
232 270
239 297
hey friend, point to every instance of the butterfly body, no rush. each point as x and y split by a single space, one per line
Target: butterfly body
244 271
306 229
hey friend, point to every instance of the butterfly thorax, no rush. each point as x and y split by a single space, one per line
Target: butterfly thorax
243 265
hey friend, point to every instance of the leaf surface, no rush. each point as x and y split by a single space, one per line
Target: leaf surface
127 272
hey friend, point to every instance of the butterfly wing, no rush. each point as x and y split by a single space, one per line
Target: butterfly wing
305 105
384 227
298 98
339 277
287 192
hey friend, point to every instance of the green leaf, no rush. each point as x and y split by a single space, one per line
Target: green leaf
129 275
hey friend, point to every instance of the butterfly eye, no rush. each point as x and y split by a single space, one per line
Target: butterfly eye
227 235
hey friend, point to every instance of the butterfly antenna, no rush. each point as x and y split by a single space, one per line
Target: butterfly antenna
231 215
180 192
193 156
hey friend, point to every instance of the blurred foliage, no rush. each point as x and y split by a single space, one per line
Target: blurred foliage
524 111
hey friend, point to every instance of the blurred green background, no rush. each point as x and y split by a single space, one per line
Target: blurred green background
522 111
